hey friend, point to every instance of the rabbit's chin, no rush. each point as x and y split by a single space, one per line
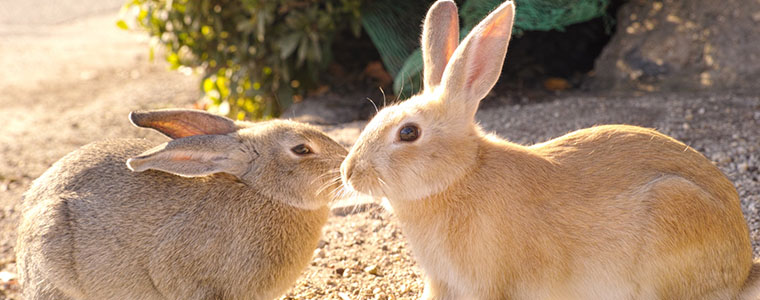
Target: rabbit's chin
412 192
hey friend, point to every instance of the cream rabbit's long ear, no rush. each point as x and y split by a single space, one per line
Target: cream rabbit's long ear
195 156
179 123
440 37
476 64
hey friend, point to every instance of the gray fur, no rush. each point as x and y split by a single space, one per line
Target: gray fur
93 229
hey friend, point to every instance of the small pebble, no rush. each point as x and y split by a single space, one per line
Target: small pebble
373 269
6 276
344 296
320 253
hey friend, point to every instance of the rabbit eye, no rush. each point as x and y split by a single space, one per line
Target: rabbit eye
409 133
301 149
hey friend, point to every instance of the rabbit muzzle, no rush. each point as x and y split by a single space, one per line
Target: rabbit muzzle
346 172
358 175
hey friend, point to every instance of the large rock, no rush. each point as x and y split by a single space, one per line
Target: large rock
682 45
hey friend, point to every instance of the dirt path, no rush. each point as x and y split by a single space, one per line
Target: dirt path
71 83
67 82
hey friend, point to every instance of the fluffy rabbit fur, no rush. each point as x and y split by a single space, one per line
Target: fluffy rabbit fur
609 212
226 210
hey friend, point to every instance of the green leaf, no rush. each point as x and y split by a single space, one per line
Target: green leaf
407 81
356 29
288 44
315 53
260 26
246 26
303 49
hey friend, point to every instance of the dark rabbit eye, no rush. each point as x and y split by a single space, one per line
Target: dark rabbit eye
301 149
409 133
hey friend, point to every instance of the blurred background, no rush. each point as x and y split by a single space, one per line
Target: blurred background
71 71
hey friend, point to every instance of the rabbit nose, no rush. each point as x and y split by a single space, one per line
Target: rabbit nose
348 170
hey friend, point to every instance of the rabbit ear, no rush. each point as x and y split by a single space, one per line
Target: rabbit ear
440 37
179 123
476 64
195 156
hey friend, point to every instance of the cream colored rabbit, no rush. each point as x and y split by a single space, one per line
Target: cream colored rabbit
609 212
226 210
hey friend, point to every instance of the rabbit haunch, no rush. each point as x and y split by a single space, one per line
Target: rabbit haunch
608 212
224 211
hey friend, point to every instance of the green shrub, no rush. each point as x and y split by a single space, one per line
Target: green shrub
258 56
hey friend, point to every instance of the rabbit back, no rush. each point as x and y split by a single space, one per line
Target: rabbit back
95 230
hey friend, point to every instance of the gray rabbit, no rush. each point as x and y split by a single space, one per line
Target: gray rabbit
226 210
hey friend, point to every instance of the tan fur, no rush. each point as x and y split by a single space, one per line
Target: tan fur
93 229
608 212
443 18
751 289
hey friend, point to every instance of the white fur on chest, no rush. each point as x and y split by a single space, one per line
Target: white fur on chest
469 268
441 262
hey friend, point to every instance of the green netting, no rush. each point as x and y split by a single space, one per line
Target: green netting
537 14
394 28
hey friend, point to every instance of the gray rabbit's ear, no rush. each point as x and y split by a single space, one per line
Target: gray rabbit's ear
440 37
195 156
179 123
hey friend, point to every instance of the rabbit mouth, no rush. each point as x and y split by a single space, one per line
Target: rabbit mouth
369 183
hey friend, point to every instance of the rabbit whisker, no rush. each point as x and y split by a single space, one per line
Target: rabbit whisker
328 184
325 175
373 104
383 92
341 192
329 178
381 181
326 178
383 186
401 90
